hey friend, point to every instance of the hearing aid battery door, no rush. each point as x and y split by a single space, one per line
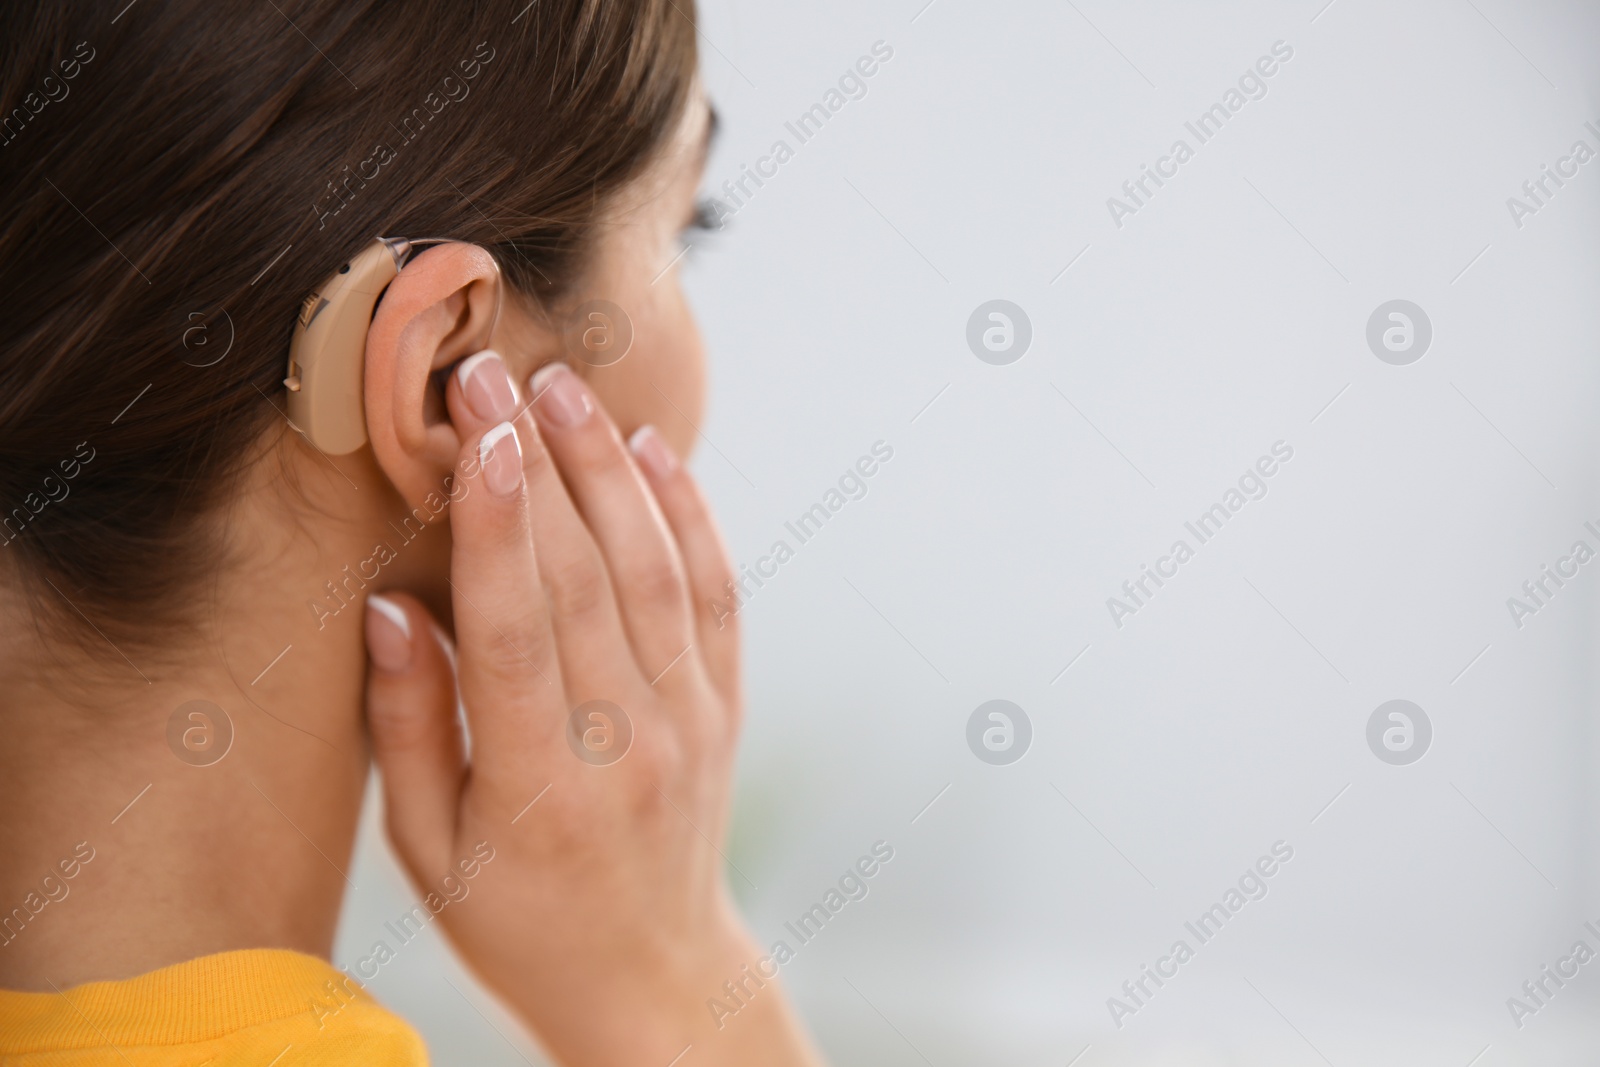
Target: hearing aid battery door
326 354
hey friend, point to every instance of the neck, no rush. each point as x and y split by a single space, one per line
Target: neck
132 841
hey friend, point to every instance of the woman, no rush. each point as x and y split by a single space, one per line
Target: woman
212 624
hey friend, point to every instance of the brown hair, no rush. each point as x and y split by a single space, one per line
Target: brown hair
179 175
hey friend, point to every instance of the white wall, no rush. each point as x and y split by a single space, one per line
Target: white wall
1224 716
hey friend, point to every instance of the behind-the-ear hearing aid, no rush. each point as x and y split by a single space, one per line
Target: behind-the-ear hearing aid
327 361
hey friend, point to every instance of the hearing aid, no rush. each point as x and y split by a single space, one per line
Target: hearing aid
327 353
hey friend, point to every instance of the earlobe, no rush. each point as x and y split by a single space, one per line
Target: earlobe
439 310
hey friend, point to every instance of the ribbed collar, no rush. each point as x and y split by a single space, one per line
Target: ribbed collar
200 1000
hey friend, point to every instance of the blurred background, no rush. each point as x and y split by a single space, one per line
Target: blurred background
1148 356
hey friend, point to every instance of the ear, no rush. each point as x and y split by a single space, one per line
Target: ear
437 311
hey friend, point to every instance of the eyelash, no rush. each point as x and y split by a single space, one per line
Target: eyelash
705 218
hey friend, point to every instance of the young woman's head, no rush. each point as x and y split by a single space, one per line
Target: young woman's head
178 177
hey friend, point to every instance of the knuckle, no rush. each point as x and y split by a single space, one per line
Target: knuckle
399 729
578 589
517 650
657 583
661 759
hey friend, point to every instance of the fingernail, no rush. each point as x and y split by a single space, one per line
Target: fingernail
487 386
559 396
388 634
501 459
652 451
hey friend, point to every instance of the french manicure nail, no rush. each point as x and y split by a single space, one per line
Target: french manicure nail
652 451
560 398
500 455
487 387
388 634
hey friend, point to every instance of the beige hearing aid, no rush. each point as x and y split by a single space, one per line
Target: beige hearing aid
326 362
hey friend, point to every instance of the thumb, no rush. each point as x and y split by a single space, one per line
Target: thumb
416 732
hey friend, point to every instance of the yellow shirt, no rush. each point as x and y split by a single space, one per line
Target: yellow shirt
261 1007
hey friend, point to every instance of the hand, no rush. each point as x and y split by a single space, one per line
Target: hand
581 571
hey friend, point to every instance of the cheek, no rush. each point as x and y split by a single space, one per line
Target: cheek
668 357
687 374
